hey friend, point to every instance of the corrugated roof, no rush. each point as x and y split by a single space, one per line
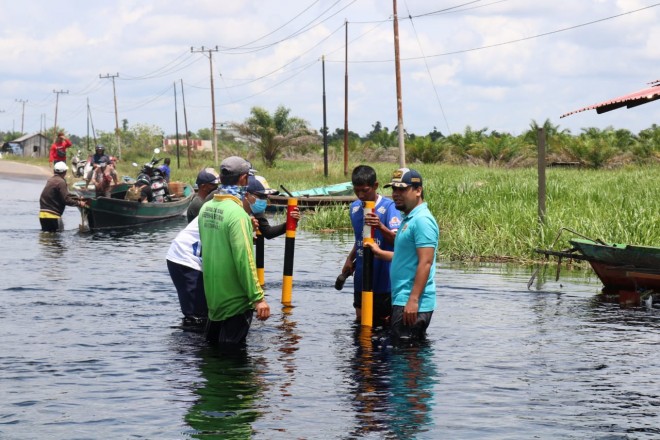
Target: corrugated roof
630 100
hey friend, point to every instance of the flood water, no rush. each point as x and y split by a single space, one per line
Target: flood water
89 349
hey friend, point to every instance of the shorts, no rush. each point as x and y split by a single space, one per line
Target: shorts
231 332
51 224
417 332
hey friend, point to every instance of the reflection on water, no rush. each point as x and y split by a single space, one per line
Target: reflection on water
89 349
393 386
226 407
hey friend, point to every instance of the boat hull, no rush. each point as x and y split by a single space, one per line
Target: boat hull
622 267
112 213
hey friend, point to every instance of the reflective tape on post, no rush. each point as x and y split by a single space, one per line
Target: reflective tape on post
289 247
259 257
367 306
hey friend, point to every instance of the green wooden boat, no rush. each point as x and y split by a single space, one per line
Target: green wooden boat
622 266
337 194
114 213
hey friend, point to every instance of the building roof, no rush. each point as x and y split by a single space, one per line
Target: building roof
28 136
630 100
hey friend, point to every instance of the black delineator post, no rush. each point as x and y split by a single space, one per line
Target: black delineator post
541 172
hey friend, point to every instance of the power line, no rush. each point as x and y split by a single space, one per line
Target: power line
428 70
504 43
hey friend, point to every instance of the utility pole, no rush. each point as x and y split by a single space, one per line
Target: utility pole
57 100
325 125
185 121
22 101
210 51
114 93
176 128
346 98
399 99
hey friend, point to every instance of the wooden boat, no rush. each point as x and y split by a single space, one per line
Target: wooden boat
114 213
89 192
620 267
337 194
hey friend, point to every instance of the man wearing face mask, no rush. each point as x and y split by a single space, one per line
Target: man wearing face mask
256 201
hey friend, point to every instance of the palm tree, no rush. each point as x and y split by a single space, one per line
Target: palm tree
272 133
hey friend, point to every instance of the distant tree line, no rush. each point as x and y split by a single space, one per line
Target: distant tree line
280 135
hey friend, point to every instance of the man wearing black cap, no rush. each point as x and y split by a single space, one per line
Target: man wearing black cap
256 201
207 182
231 283
413 261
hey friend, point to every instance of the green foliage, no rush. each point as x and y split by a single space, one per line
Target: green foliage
273 133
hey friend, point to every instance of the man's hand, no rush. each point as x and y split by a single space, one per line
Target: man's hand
410 312
263 310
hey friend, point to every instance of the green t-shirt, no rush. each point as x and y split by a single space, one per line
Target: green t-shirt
230 273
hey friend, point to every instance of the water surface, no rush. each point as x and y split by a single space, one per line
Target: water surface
89 349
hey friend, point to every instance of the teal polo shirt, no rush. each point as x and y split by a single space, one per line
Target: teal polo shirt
418 230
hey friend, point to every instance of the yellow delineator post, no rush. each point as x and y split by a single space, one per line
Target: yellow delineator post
367 316
289 246
259 257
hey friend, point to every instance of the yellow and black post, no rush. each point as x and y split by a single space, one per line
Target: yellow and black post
289 246
259 257
367 317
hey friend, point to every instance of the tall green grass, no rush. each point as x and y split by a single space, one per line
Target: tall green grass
490 213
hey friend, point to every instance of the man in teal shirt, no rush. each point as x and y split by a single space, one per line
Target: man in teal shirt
231 284
412 272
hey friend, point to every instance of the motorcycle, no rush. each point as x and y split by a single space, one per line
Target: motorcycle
158 184
78 166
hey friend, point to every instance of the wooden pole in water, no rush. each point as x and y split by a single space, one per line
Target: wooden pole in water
259 257
541 171
367 317
289 246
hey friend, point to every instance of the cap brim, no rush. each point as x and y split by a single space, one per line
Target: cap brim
396 185
268 192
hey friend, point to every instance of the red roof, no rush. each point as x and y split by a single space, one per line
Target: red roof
631 100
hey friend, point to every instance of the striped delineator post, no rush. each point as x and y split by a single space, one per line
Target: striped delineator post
259 257
367 316
289 246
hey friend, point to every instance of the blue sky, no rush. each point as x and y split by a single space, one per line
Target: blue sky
494 64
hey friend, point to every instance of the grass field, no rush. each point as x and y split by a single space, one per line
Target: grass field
490 213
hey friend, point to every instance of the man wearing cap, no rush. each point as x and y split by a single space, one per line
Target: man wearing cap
413 261
58 149
207 182
256 201
231 283
54 197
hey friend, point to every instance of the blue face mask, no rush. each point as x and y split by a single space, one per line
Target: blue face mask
259 206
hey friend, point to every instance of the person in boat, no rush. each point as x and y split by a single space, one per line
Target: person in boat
207 182
255 203
143 189
385 221
96 161
165 169
58 149
104 176
231 284
413 260
54 198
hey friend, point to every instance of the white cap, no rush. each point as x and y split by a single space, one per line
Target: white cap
60 167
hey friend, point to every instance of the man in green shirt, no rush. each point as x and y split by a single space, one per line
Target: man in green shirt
231 283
